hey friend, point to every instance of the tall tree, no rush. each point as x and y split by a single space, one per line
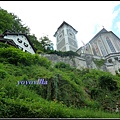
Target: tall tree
42 45
36 43
9 21
17 25
45 42
6 21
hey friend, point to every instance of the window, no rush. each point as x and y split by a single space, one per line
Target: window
110 60
102 48
103 51
20 41
110 44
26 45
70 34
60 36
116 58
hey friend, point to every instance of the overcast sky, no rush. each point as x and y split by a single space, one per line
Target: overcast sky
87 17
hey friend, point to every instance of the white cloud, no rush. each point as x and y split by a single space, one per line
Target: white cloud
45 17
118 27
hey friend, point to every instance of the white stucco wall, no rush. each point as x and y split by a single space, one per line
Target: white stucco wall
24 39
67 46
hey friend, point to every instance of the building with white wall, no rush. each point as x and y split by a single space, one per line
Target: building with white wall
21 40
102 44
66 38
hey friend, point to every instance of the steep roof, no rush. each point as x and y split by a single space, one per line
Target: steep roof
114 34
62 25
8 41
101 31
79 49
8 33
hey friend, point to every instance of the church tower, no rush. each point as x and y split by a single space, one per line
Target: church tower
65 38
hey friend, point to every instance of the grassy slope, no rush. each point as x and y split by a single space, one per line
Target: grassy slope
31 101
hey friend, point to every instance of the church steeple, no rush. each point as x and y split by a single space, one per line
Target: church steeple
66 39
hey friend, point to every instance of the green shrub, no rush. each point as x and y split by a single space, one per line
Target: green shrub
2 45
107 82
62 65
16 56
99 63
3 74
64 54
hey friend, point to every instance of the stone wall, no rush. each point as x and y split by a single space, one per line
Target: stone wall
78 62
85 61
73 61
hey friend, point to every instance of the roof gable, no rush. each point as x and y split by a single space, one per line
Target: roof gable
103 30
100 32
62 25
9 41
8 33
114 34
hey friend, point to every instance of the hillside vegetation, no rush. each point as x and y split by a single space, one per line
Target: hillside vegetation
69 93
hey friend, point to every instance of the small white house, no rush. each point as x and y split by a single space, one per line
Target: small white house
21 40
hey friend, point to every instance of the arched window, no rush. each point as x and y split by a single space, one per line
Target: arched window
104 53
110 44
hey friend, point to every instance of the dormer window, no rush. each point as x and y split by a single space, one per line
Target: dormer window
20 41
25 44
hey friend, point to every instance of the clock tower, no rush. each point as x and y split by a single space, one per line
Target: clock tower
65 38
